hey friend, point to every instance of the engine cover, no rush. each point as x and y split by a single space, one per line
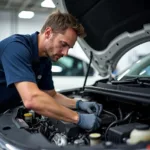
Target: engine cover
69 129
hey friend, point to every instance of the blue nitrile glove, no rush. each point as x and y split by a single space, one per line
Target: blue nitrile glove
90 107
89 121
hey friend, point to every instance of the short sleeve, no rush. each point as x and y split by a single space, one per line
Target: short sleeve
16 62
46 82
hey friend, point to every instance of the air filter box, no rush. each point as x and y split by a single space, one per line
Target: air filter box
117 134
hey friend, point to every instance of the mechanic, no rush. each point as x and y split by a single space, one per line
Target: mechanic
25 72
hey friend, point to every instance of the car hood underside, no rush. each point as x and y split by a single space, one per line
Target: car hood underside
112 27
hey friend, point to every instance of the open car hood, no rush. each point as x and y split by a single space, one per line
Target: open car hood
112 28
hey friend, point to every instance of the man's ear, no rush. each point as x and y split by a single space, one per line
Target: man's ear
48 32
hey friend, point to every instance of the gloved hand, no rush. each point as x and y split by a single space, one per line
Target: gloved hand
90 107
89 121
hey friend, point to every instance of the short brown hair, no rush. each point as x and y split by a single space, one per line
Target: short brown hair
59 22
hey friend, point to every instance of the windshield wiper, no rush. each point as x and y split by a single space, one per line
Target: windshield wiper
134 80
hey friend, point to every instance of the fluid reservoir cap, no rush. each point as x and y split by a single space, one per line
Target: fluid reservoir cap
95 135
28 115
142 127
108 144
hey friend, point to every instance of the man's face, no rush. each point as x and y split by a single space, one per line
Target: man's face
58 44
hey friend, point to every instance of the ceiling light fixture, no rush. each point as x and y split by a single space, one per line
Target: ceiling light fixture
48 4
26 14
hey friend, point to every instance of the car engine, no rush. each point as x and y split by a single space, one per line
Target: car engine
59 132
118 120
125 109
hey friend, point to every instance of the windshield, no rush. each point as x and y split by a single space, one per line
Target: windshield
139 69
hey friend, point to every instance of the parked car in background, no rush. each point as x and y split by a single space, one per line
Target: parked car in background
70 71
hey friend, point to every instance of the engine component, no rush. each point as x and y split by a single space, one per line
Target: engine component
60 139
33 113
20 123
106 119
120 134
28 117
140 133
71 130
62 133
79 142
94 138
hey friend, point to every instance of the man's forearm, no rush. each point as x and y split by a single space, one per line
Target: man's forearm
65 101
45 105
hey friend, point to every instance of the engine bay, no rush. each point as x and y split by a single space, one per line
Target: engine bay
56 131
119 118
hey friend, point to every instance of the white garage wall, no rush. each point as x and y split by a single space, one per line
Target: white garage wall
5 24
11 24
31 25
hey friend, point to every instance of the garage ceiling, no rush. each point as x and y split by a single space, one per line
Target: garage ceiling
19 5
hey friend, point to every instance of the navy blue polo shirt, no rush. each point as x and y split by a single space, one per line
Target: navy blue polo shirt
19 61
